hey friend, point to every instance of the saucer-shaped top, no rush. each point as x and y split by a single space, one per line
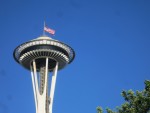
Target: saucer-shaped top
39 49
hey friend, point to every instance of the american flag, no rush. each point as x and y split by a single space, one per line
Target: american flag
51 31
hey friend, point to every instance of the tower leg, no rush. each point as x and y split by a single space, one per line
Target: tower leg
35 85
53 83
34 89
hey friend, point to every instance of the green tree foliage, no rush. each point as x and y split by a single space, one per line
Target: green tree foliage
135 102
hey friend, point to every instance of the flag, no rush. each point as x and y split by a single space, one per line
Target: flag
51 31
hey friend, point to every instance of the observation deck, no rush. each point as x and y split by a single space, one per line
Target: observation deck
39 49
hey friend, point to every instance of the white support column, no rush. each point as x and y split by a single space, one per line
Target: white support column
36 86
36 80
33 84
53 83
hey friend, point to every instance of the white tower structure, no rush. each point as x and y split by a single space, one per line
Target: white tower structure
42 56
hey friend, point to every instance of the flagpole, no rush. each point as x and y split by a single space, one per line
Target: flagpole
43 29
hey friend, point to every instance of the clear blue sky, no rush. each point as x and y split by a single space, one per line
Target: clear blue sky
111 39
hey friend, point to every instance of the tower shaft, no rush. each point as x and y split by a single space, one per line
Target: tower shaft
43 101
42 82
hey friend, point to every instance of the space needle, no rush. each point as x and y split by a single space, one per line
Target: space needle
43 56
